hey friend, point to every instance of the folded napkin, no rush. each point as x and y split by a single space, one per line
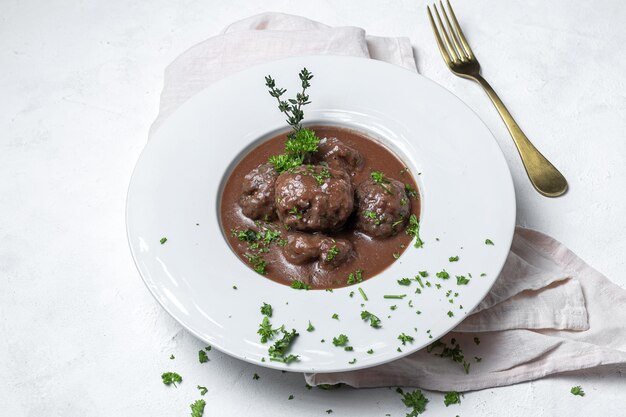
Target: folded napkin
548 312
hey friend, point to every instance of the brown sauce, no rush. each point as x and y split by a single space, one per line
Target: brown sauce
371 255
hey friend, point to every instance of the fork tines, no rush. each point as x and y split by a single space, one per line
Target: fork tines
454 47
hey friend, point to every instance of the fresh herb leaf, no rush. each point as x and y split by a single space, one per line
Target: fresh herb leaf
413 229
423 274
443 274
197 408
266 310
352 362
414 399
341 340
279 349
374 320
335 316
257 262
290 397
265 330
461 280
310 327
450 314
255 376
203 390
171 378
453 259
163 240
452 397
354 277
489 242
405 338
577 390
202 356
332 252
404 281
299 285
323 175
410 191
172 357
370 351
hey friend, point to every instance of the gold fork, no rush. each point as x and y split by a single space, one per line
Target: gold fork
459 57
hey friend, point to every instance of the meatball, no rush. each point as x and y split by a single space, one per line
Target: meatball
314 198
257 197
338 155
383 207
303 248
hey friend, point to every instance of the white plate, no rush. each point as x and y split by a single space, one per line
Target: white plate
465 185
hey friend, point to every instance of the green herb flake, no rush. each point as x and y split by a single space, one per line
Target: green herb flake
266 310
279 349
256 376
477 341
355 277
363 293
413 229
452 397
299 285
341 340
332 253
414 399
404 281
394 296
352 362
453 259
443 274
461 280
370 351
197 408
310 327
423 274
202 356
163 240
335 316
489 242
450 314
577 390
405 338
374 320
172 357
171 378
203 390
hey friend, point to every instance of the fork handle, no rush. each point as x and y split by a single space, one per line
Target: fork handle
546 179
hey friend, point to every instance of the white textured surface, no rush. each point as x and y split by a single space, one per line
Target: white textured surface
80 81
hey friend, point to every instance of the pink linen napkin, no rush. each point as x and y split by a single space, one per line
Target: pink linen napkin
548 312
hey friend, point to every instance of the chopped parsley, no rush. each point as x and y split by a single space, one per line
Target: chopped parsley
410 191
341 340
332 253
450 314
379 178
453 259
374 320
322 176
489 242
257 262
279 349
299 285
266 310
423 274
352 362
197 408
172 357
453 352
370 214
577 390
404 281
370 351
265 330
290 397
461 280
171 378
329 411
163 240
255 376
413 229
355 277
348 348
452 397
202 356
405 338
203 390
443 274
310 327
415 400
335 316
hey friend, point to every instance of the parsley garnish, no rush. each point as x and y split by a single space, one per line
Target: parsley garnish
370 351
423 274
197 408
340 340
379 178
404 281
202 356
299 285
171 378
335 316
163 240
265 330
374 321
354 277
450 314
405 338
461 280
415 399
172 357
577 390
310 328
452 397
443 274
290 397
453 259
413 229
392 296
352 362
453 353
279 349
410 191
266 310
322 176
257 262
332 252
489 242
203 390
255 376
